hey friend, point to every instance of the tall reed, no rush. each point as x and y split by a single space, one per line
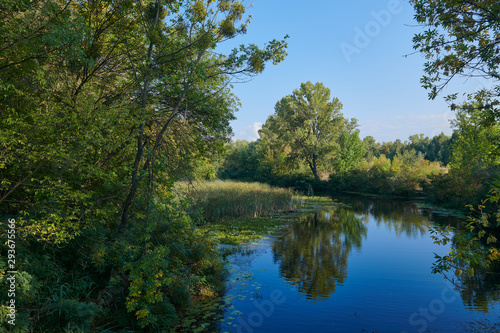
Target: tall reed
228 200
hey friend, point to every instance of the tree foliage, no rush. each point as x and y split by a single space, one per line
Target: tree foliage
309 123
462 39
104 103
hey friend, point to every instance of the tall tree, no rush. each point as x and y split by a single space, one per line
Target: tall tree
309 123
179 78
463 39
439 149
372 148
65 111
101 100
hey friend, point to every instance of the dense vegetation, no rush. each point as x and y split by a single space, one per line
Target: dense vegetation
461 39
104 104
349 164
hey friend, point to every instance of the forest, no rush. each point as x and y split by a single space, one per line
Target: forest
108 107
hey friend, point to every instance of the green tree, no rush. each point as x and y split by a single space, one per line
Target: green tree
372 148
461 40
351 151
102 101
241 162
391 149
178 79
309 123
439 149
65 112
419 142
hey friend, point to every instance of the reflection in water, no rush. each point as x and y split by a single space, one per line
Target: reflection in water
313 254
396 215
376 256
480 290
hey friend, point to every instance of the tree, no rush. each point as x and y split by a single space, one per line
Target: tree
372 148
351 151
178 79
309 123
241 161
462 39
391 149
65 111
439 149
419 142
101 102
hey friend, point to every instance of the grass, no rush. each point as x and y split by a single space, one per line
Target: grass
236 213
229 201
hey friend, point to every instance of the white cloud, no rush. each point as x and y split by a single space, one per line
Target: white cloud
251 132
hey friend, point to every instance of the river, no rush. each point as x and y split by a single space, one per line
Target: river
358 265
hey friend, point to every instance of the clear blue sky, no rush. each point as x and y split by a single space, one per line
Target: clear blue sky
366 70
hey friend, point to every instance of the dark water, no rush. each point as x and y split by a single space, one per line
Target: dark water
362 268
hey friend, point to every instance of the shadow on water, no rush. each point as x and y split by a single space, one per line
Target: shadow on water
313 254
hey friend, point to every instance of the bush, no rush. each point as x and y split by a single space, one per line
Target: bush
405 175
149 277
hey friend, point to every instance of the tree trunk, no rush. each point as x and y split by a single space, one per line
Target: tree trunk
314 167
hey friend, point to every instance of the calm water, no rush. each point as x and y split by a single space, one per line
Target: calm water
362 268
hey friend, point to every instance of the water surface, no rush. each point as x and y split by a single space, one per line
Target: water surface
365 267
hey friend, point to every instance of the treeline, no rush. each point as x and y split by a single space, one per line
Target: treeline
308 144
436 149
383 168
104 104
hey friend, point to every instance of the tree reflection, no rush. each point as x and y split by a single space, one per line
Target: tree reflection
479 283
313 254
480 290
401 217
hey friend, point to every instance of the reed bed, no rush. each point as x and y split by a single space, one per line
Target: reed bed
229 200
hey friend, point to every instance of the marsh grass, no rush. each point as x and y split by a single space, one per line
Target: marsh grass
229 201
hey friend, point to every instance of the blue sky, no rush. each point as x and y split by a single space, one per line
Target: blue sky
356 48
